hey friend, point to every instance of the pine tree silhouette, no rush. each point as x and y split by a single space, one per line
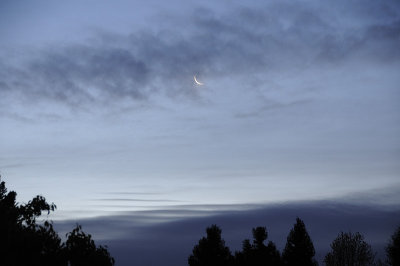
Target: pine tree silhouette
299 249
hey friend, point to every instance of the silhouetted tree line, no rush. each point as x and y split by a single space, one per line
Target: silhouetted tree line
347 249
24 241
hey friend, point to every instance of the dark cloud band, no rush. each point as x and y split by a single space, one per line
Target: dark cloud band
242 42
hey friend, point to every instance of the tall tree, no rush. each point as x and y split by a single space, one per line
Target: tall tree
82 251
393 249
299 249
351 250
211 250
24 241
258 253
242 258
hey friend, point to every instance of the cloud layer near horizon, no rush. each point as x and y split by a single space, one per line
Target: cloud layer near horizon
134 242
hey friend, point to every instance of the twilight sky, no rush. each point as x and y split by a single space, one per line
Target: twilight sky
99 111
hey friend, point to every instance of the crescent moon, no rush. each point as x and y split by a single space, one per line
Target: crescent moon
197 82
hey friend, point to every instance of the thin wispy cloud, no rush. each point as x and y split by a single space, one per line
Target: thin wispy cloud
136 200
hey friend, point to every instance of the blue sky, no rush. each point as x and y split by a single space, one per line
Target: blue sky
99 111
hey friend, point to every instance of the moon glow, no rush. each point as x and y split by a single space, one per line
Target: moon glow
197 82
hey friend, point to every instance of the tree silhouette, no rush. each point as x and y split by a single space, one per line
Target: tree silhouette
258 253
393 249
211 250
81 250
299 249
243 258
24 241
351 250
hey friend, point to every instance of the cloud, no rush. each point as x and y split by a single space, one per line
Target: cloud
116 68
76 74
134 238
136 200
270 106
245 46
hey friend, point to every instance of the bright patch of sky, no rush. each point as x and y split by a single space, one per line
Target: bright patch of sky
99 110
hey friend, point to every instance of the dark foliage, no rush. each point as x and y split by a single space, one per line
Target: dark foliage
82 250
258 253
299 249
211 250
24 241
393 249
351 250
